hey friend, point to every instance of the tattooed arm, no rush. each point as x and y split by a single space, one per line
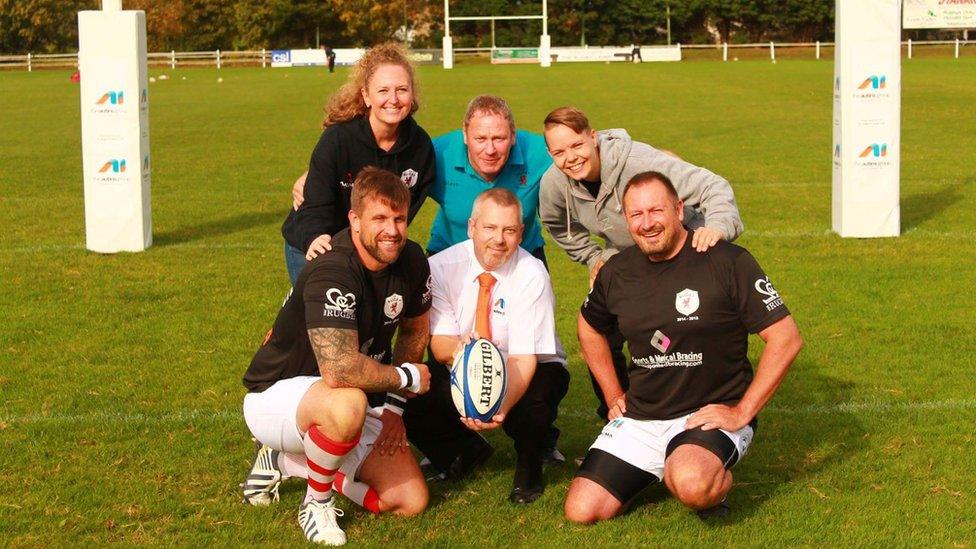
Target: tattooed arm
342 365
412 339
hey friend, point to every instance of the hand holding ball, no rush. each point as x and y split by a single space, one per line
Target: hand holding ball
478 381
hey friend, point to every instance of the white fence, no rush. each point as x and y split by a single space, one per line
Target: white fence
218 58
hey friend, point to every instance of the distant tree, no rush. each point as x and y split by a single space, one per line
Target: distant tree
164 22
41 26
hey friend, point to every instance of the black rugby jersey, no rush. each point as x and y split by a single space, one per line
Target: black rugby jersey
687 322
335 290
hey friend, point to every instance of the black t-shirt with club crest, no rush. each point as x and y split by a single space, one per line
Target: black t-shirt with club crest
687 322
335 290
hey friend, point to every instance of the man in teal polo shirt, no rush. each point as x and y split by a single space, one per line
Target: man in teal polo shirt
487 152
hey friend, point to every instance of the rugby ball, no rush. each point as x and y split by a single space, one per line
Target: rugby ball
478 380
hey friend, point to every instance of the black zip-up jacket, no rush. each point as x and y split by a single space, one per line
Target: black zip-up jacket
342 151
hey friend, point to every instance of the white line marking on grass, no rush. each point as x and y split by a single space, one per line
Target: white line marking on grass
876 406
189 416
825 233
64 247
206 415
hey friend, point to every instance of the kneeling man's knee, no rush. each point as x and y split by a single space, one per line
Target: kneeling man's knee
697 488
586 503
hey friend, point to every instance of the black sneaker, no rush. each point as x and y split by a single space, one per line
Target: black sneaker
553 457
430 471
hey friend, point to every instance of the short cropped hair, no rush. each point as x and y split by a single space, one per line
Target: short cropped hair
646 178
501 197
489 104
571 117
378 184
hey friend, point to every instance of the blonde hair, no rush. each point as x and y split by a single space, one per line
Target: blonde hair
347 103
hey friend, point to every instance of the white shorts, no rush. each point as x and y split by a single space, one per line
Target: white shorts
629 451
272 417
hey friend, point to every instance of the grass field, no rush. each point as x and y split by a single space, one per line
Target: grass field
120 375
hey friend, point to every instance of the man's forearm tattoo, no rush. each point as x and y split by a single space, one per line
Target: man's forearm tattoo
411 343
337 352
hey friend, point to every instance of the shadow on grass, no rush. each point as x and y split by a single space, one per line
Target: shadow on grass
799 435
216 227
918 208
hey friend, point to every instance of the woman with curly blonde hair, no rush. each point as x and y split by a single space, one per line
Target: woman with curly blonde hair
368 122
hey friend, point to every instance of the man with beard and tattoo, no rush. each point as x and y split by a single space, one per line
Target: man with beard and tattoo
690 411
318 384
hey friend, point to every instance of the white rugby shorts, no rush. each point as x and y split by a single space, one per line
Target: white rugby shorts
644 444
272 417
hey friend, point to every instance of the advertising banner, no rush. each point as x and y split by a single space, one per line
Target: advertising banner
115 130
939 14
514 55
867 126
426 56
576 55
308 58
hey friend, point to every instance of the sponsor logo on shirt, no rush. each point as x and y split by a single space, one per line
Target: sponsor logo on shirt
343 182
499 307
428 292
662 343
686 302
765 287
393 306
673 360
409 177
339 305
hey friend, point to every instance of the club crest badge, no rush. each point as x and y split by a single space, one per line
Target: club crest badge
409 177
393 306
686 301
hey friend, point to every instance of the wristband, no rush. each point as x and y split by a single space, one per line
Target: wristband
395 403
409 377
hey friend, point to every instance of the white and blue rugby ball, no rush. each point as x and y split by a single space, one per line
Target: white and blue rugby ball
478 380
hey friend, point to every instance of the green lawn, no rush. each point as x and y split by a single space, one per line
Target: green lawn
120 375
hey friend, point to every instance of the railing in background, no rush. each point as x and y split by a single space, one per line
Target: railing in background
220 58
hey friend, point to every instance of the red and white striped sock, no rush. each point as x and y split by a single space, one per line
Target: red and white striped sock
359 493
324 457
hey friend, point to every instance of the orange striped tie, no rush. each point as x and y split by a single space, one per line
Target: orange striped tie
482 318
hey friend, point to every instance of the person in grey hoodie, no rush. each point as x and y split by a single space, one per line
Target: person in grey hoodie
580 197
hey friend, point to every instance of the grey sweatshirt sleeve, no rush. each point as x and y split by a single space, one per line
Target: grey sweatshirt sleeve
701 189
570 235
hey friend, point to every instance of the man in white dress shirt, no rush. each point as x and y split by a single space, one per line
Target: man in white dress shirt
491 287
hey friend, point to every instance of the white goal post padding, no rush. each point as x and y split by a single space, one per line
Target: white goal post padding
867 111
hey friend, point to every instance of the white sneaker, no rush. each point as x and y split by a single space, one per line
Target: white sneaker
261 486
318 521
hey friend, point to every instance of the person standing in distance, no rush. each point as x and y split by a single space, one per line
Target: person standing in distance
318 383
369 122
581 192
488 286
690 412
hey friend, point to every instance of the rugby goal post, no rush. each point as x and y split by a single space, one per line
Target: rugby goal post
867 115
545 58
